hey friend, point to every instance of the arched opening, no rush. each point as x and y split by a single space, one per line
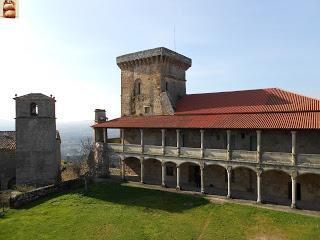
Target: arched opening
275 187
171 174
137 87
308 191
215 180
12 183
132 169
34 111
152 171
244 183
190 176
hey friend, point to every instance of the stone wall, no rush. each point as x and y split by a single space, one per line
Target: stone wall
31 196
310 191
152 171
274 187
7 167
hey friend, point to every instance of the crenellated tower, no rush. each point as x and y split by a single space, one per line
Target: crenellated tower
152 81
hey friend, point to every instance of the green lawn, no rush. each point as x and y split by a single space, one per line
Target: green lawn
120 211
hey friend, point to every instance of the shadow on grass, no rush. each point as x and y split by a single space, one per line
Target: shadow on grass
120 193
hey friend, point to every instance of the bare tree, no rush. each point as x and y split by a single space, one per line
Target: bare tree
87 165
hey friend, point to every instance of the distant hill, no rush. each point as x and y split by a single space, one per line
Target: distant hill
71 134
7 125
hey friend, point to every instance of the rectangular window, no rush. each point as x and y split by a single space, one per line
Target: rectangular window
169 171
146 110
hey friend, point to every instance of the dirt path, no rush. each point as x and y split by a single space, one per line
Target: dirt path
205 226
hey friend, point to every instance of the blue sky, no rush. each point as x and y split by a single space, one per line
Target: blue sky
68 48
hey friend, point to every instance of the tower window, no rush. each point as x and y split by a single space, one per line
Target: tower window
167 86
137 87
146 110
34 109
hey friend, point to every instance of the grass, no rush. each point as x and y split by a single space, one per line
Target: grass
121 211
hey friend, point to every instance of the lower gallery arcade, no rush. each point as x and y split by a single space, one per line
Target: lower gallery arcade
276 186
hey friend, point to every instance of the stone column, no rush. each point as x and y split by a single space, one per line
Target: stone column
293 189
228 145
163 167
259 146
259 186
202 179
202 142
94 135
122 139
142 170
141 140
123 170
105 135
293 146
229 182
178 177
163 141
178 142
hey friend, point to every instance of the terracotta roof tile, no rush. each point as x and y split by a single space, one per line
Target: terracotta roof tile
248 101
8 140
253 109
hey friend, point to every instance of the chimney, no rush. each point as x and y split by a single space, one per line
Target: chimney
100 116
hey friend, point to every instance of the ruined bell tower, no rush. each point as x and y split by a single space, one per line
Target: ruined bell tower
38 161
152 81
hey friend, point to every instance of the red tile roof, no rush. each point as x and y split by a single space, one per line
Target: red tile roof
253 109
248 101
8 140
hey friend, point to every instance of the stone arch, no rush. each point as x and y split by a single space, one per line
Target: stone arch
308 191
234 167
132 169
12 183
244 182
275 186
214 179
190 175
34 109
152 173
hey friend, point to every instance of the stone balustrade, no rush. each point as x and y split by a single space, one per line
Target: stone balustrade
308 159
217 154
243 155
277 157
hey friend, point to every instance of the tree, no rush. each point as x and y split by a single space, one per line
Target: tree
87 167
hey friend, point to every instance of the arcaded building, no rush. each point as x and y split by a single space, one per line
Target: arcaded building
31 155
261 145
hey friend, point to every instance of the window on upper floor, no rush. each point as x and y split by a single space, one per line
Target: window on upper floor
34 109
167 86
137 87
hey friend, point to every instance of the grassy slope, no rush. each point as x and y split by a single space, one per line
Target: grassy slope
118 211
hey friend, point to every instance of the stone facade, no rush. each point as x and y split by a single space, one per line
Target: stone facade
152 81
281 166
7 168
36 156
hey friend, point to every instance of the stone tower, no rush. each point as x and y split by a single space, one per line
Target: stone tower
152 81
37 151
